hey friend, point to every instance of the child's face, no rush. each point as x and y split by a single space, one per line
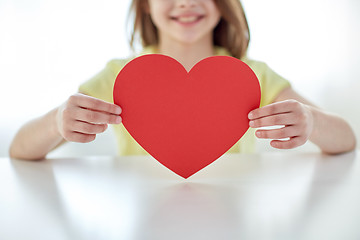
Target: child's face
185 21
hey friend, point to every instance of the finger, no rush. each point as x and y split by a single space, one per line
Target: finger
284 132
95 117
288 144
88 128
79 137
85 101
273 120
274 108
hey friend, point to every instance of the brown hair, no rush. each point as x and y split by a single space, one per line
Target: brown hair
232 31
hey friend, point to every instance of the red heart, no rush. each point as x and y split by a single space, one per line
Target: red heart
186 120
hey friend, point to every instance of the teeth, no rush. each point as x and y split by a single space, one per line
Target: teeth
187 19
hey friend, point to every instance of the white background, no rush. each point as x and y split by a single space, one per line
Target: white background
49 47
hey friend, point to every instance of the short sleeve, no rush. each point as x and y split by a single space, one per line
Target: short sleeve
271 83
101 85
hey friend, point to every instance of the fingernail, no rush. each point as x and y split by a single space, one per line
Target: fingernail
250 115
118 120
251 123
118 110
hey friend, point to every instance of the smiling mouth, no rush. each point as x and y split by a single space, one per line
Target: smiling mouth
187 19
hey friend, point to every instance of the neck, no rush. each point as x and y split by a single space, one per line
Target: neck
187 54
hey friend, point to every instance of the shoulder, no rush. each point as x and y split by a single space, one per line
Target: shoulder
259 67
263 71
271 83
101 84
115 65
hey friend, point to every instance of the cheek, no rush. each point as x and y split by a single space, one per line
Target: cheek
158 15
216 20
215 14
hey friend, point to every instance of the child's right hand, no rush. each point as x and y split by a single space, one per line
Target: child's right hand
81 117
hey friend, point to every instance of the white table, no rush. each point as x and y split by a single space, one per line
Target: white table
282 195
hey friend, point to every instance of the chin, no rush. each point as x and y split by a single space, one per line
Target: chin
189 39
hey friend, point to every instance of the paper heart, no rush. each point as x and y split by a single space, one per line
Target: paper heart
186 120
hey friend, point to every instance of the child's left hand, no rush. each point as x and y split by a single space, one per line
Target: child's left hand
295 116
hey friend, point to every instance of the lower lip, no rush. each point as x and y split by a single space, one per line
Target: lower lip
188 23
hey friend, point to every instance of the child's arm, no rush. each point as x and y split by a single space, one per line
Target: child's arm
79 119
303 121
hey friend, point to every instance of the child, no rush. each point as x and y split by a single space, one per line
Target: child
187 30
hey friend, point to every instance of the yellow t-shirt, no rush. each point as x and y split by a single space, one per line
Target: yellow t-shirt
101 86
